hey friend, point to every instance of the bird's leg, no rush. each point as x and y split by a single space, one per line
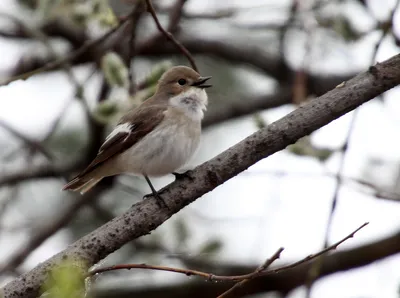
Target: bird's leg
154 192
182 175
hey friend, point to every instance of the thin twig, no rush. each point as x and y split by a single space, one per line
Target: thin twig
293 9
169 36
300 84
71 56
310 257
315 270
213 277
212 15
175 15
33 145
135 17
386 27
44 39
5 202
37 238
260 269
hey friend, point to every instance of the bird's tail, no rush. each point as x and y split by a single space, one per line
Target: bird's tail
81 184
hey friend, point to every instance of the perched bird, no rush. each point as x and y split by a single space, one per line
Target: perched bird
157 137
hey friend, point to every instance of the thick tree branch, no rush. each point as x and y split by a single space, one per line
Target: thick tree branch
283 282
214 116
147 215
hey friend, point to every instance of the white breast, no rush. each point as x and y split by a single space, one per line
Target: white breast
162 151
193 102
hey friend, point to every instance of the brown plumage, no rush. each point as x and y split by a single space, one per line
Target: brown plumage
136 125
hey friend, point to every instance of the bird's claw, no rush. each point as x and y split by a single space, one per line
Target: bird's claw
179 176
160 201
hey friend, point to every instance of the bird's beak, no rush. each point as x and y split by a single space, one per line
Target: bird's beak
200 83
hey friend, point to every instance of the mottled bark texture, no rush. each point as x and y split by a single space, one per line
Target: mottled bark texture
147 215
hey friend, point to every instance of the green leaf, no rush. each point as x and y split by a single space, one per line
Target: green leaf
106 111
66 280
182 231
115 70
141 95
210 247
259 121
304 147
155 74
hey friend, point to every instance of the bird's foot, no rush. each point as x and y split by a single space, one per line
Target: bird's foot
160 201
179 176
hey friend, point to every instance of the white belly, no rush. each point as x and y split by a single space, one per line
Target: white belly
161 152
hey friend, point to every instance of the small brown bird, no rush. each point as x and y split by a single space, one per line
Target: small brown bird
157 137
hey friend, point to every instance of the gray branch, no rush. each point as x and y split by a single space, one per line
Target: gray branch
283 282
147 215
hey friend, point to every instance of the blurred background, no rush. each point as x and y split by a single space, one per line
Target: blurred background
266 57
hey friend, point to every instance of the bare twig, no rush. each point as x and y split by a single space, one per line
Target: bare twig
315 270
5 202
212 15
52 28
310 257
147 215
37 172
283 282
175 15
285 27
260 269
169 35
386 28
300 83
31 144
370 188
38 237
71 56
135 17
43 38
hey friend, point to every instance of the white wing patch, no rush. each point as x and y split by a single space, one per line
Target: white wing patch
126 127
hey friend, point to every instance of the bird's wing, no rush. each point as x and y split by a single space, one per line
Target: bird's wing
131 129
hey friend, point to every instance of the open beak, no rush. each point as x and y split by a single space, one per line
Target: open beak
200 83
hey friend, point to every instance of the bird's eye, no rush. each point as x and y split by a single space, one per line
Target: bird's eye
182 82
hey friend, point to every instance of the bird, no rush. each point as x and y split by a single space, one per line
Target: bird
157 137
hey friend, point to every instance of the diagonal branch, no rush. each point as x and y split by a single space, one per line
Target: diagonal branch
168 34
260 269
147 215
31 144
38 237
56 63
282 282
38 172
240 279
245 53
175 15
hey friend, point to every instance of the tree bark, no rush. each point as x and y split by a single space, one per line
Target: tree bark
147 215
